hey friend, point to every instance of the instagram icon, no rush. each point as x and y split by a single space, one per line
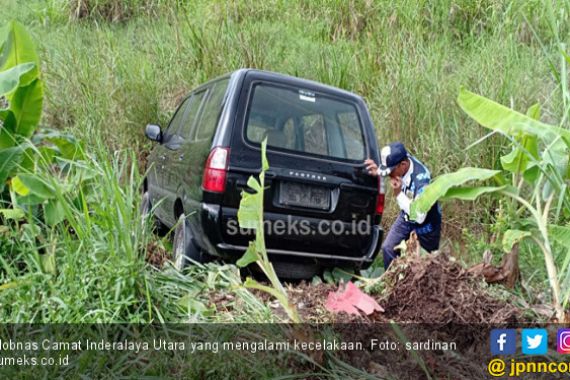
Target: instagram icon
563 341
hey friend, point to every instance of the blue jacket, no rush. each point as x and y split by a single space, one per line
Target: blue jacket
413 184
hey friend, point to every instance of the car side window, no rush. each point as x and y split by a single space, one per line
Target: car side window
212 109
259 126
187 125
171 135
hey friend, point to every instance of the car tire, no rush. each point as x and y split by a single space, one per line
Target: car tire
145 213
183 248
296 271
146 207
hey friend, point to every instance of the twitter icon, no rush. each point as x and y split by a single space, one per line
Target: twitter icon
534 341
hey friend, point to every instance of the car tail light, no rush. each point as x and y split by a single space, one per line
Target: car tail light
380 197
215 171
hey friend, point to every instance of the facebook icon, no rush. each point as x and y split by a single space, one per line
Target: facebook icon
503 341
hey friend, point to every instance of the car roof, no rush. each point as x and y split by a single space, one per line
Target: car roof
300 82
288 78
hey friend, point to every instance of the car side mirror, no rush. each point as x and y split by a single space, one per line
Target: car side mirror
153 132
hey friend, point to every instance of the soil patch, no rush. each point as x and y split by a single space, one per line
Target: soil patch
431 289
436 289
432 298
156 254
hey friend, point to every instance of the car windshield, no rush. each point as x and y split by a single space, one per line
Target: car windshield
298 120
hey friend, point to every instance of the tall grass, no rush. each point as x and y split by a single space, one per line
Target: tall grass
92 267
407 59
88 268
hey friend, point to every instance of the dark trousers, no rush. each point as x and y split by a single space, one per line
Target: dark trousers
401 230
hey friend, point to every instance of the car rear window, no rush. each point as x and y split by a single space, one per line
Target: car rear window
298 120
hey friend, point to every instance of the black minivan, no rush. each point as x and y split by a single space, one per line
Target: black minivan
327 208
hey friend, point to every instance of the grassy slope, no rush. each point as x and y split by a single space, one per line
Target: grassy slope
408 61
105 81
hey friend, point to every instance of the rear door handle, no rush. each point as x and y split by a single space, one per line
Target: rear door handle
242 186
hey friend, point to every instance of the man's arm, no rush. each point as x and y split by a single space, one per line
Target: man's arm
403 201
421 181
405 204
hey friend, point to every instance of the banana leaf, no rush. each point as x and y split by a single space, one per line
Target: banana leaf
440 187
497 117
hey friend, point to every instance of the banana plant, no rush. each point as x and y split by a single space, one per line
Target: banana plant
22 147
21 97
534 176
250 215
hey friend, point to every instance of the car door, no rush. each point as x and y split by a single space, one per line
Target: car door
316 146
201 143
171 143
196 154
176 156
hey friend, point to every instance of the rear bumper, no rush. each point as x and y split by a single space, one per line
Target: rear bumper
330 259
212 225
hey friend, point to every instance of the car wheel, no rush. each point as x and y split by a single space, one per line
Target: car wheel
296 271
183 248
146 207
145 213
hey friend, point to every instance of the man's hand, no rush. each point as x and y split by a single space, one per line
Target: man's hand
371 167
396 183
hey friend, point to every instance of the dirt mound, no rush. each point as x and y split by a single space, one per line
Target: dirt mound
435 289
444 302
437 300
431 288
